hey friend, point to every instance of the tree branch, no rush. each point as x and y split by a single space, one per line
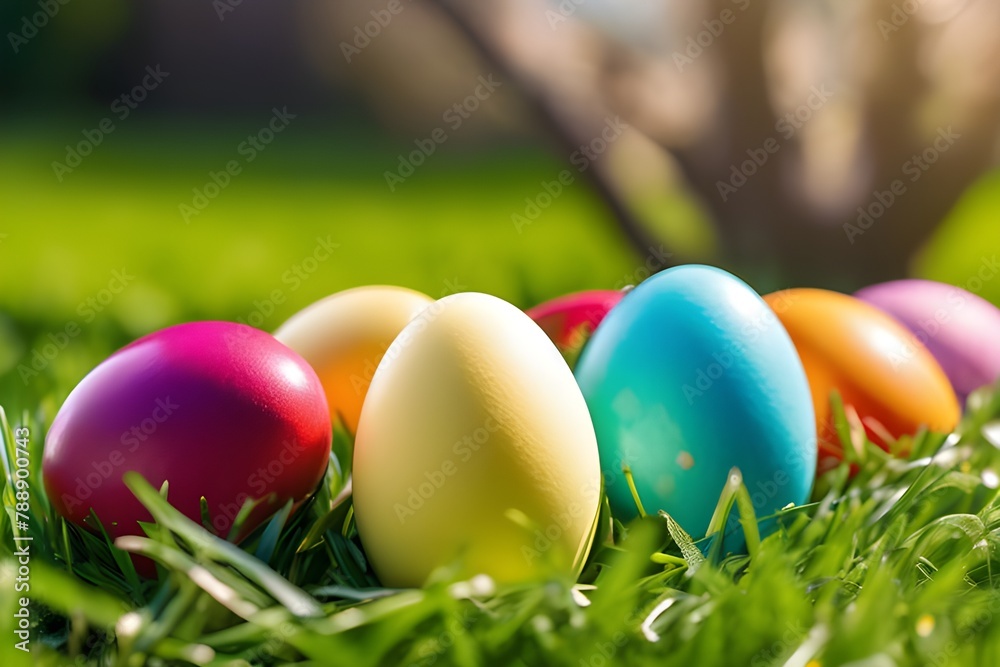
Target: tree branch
552 120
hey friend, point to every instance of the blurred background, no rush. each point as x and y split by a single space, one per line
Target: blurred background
170 160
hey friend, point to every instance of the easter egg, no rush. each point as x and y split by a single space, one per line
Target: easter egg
217 409
876 365
344 336
689 376
960 329
474 450
568 320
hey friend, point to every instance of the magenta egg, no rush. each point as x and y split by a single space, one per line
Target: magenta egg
569 319
960 329
218 409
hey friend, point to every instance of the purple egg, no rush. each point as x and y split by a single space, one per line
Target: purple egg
960 329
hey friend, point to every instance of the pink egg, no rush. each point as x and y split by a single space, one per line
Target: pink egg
960 329
568 319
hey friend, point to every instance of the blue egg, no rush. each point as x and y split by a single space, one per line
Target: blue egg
691 375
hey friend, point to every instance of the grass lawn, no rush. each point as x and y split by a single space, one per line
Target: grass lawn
447 228
893 566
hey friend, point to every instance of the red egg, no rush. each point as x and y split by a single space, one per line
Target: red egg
218 409
568 320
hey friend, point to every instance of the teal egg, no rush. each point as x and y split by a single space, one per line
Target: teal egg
691 375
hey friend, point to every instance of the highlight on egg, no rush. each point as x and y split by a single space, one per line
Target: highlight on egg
686 378
878 367
961 329
217 409
344 336
475 450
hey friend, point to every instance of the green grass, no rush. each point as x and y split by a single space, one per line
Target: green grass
897 565
447 228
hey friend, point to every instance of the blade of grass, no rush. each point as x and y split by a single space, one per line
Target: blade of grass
210 546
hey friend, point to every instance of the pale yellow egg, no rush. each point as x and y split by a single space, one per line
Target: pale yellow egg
475 448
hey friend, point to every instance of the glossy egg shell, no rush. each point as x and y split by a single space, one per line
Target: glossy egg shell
876 365
218 409
689 376
344 336
569 318
475 449
960 329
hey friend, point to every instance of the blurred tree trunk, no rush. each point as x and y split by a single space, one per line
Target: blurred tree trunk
772 228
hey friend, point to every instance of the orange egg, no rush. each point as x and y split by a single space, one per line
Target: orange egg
345 335
879 368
